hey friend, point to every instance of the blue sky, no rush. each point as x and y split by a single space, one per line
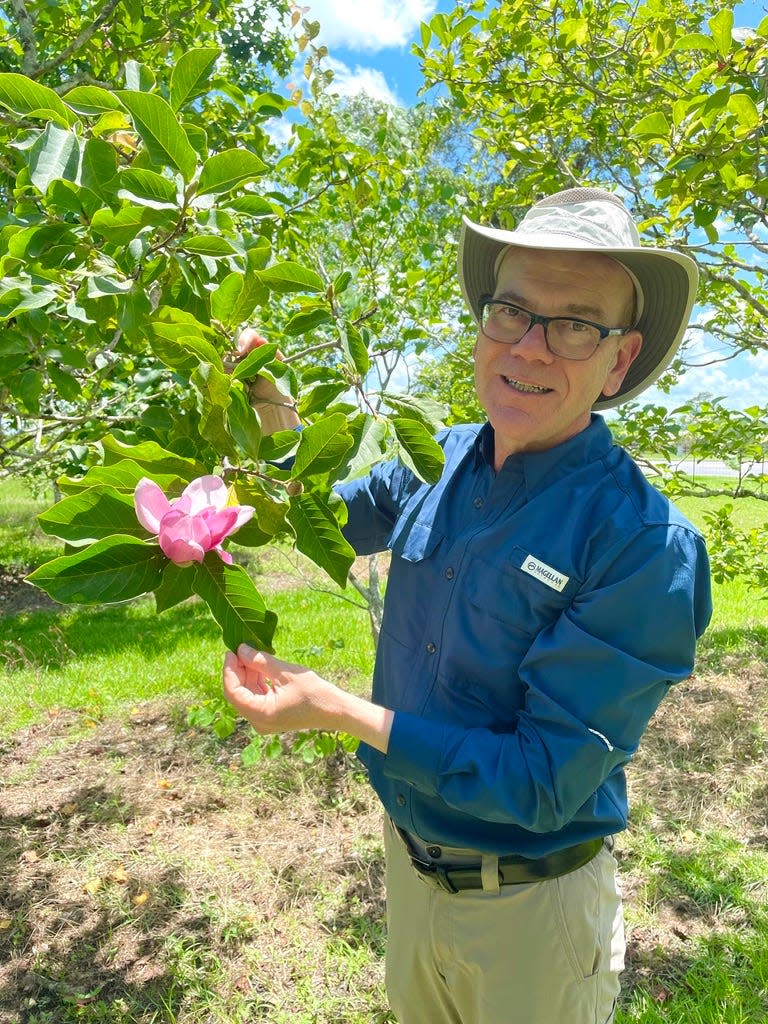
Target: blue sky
369 43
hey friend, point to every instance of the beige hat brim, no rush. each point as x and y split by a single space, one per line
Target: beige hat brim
668 280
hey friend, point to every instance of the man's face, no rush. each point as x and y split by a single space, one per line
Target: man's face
534 399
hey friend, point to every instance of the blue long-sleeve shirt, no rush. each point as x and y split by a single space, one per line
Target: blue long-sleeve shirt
533 621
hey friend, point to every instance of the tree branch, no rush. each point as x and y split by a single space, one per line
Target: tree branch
79 41
26 28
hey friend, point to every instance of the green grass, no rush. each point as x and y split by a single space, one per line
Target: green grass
96 660
21 540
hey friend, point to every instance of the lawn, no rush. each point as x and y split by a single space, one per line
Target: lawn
147 875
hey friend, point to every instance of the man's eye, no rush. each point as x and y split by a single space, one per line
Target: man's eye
512 312
577 327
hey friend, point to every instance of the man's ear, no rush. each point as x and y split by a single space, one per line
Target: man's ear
627 351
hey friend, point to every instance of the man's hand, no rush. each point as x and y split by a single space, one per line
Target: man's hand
274 409
276 696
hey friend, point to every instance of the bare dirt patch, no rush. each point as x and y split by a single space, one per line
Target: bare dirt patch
137 851
16 596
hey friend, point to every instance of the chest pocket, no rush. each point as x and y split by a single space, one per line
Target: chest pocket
413 541
509 595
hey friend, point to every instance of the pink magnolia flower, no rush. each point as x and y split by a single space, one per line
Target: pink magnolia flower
192 524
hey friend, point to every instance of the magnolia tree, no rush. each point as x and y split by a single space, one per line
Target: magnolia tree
138 240
664 103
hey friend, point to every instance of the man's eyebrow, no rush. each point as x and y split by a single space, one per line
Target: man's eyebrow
580 309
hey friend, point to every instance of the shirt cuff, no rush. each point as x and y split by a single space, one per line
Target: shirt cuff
415 751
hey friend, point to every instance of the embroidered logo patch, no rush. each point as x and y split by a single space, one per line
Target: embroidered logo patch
545 573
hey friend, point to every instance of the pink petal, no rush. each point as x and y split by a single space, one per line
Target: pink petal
205 492
244 513
150 504
181 551
223 555
219 524
184 538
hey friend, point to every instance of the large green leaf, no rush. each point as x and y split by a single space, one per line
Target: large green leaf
15 300
209 245
269 518
152 457
177 584
114 569
56 154
98 166
369 433
213 390
236 298
227 170
243 423
29 99
191 73
91 515
307 319
256 359
123 476
318 536
235 604
418 449
291 277
92 100
417 407
122 226
721 27
354 347
147 188
323 446
166 141
315 400
278 446
182 351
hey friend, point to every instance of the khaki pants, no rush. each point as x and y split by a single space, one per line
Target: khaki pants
542 953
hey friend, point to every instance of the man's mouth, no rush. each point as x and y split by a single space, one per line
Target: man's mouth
527 389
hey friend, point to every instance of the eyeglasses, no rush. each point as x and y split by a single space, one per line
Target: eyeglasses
569 337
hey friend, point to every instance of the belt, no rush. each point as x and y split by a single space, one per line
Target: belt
513 870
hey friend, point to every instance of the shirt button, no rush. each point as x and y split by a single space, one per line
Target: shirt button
449 573
434 852
478 502
401 800
431 648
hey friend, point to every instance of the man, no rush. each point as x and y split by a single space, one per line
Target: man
542 598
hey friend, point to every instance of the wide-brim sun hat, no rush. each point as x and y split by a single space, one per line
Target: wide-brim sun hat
593 220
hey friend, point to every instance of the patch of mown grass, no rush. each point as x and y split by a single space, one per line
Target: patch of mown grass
22 542
94 660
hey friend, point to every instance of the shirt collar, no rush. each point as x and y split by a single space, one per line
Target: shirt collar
540 468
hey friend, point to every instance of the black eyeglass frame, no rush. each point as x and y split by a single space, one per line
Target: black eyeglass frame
536 318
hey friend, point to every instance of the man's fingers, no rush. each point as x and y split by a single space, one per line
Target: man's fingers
259 660
248 340
239 682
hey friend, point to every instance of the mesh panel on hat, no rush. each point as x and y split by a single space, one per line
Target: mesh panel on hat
580 195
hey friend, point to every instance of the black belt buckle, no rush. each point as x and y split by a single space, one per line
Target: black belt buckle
434 873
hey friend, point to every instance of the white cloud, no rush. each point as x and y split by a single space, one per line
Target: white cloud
347 82
371 26
740 382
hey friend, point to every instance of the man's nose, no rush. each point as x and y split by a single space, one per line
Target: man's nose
533 344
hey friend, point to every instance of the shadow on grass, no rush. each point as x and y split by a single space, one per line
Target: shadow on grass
66 947
54 638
